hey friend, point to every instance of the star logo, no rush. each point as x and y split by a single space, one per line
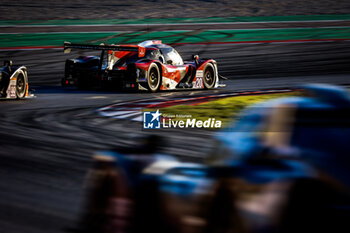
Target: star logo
151 120
155 115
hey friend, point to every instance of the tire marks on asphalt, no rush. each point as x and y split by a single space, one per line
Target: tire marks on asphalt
133 110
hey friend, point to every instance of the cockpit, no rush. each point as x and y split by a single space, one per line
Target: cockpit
170 55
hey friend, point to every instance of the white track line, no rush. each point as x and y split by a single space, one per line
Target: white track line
128 115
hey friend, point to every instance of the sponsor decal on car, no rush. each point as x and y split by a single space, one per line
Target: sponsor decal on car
11 91
155 120
199 74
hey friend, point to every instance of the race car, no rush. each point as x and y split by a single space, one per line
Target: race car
282 167
149 65
13 81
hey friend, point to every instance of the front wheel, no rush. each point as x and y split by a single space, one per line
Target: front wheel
21 86
222 216
209 76
154 78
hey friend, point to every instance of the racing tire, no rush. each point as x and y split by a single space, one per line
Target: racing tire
221 214
209 78
21 86
315 206
154 78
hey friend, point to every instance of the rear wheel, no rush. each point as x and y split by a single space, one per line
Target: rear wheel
315 206
21 86
154 78
209 76
222 216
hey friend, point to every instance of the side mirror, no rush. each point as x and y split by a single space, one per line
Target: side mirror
169 62
196 58
7 63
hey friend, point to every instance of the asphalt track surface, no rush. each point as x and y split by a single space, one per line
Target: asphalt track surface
143 9
47 142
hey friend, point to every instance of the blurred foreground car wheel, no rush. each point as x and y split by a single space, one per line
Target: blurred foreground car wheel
107 206
314 206
222 216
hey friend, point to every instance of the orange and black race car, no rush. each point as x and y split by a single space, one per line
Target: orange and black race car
149 65
13 81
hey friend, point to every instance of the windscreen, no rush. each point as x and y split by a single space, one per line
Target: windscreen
171 56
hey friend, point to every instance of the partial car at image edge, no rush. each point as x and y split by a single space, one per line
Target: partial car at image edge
14 81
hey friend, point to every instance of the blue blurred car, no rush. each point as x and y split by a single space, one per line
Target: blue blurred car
284 166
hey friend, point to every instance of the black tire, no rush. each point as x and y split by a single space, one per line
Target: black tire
314 206
154 78
21 86
222 216
209 78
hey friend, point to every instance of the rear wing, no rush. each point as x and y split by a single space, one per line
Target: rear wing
129 48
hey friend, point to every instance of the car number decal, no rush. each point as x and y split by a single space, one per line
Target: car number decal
198 83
